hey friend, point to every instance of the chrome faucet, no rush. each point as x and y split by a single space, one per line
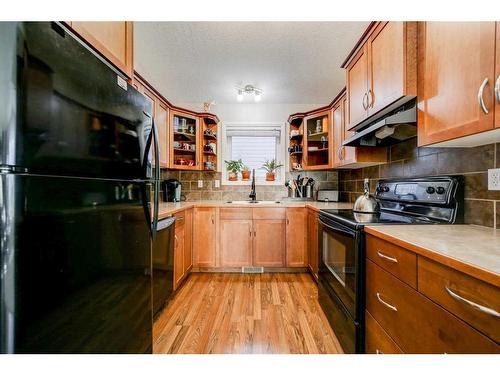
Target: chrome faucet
253 194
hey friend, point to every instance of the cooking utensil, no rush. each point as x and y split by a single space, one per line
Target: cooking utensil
366 203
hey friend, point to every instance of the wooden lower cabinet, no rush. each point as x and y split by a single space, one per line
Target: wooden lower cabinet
188 240
296 235
269 243
236 243
204 236
415 323
377 341
312 242
179 244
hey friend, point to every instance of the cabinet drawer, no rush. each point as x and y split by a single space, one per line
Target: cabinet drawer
398 261
463 295
180 218
269 213
377 341
415 323
236 213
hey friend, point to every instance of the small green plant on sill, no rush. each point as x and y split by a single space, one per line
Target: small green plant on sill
271 166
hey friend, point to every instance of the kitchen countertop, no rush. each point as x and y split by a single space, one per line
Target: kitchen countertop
472 249
170 208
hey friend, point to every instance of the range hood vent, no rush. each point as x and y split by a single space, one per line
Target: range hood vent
397 123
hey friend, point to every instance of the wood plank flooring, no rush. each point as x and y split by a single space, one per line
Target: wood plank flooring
275 313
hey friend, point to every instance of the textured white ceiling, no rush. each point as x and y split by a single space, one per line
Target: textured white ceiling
292 62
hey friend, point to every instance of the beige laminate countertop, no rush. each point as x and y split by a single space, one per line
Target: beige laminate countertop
471 249
170 208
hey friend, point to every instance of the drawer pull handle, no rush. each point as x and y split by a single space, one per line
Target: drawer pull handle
389 306
383 256
480 98
474 305
379 352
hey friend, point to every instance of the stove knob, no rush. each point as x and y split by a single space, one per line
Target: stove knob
385 189
440 190
430 190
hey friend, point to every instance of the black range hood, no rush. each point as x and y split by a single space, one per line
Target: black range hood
396 123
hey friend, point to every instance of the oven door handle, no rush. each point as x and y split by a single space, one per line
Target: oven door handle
337 229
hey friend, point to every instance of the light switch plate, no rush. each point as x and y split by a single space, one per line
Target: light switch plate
216 183
494 179
200 183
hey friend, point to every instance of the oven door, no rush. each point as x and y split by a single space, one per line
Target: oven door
339 263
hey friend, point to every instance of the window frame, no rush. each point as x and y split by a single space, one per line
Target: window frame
226 148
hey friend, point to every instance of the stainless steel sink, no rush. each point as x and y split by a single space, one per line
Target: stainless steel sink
253 202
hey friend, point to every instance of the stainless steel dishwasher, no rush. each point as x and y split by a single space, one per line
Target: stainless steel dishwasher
163 263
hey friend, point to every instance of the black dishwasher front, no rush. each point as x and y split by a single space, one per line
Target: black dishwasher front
163 263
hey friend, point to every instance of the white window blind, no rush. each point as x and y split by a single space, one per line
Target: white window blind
254 144
254 151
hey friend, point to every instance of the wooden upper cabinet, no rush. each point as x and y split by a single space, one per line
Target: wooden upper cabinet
161 121
386 66
269 243
381 70
455 60
236 243
357 87
338 133
185 140
296 234
204 236
114 40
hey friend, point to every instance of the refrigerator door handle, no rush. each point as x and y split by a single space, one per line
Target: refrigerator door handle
146 159
146 206
157 179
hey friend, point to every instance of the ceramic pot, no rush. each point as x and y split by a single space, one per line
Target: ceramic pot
270 176
245 175
232 176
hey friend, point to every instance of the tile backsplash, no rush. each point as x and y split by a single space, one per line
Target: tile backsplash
189 180
482 207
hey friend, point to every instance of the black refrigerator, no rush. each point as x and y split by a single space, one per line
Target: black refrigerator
77 182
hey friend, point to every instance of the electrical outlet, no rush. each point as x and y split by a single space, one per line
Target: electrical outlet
200 183
216 183
494 179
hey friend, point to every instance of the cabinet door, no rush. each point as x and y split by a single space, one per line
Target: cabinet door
386 65
357 87
236 243
497 82
114 40
455 59
269 243
312 224
338 134
204 235
161 121
179 255
296 232
188 240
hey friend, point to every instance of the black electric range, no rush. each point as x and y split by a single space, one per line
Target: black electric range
341 284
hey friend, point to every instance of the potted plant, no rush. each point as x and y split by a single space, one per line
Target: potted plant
233 167
245 173
271 166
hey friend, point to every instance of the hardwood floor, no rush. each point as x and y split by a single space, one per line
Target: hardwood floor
245 313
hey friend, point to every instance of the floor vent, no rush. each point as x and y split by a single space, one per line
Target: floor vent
252 269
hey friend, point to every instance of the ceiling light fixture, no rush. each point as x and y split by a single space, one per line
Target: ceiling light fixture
249 89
